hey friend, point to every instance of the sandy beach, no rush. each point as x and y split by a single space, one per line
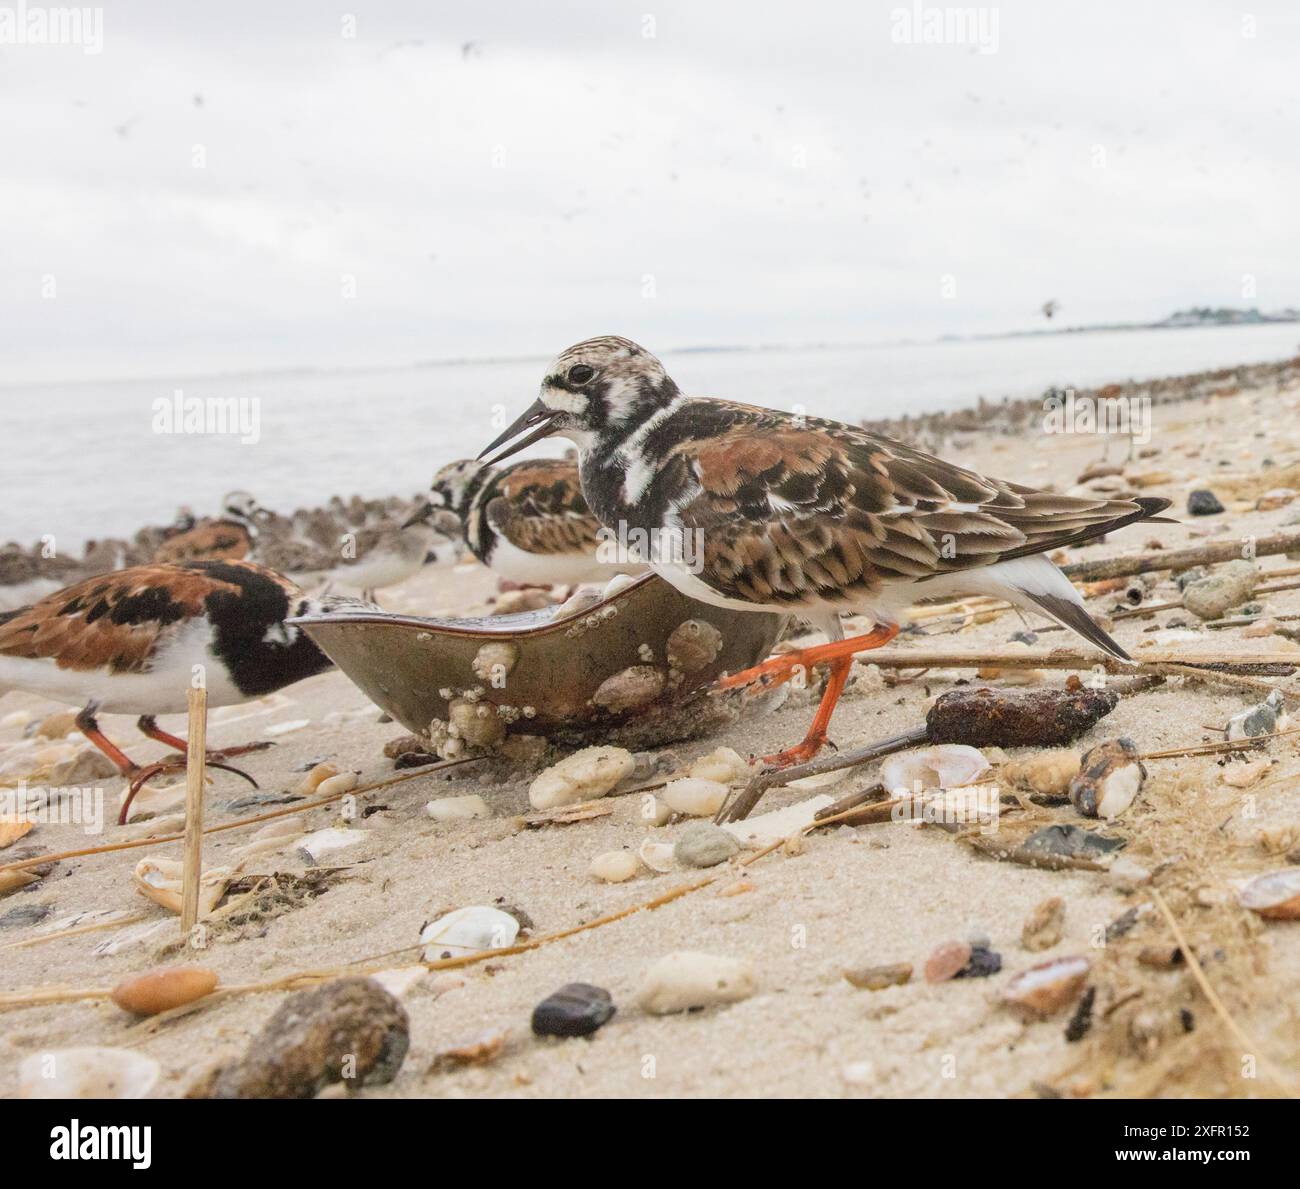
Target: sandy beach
847 897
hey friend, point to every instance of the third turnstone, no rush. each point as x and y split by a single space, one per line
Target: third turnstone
130 642
528 522
229 536
758 509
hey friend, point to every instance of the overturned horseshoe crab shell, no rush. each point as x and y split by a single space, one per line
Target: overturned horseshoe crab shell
562 667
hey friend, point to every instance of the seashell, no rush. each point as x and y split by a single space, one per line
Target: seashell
11 881
457 809
584 775
637 685
400 980
1045 989
12 829
945 766
284 728
137 937
164 988
687 979
281 827
693 644
476 724
88 1072
160 827
1274 895
567 815
768 828
653 811
1109 778
699 798
160 881
468 931
494 661
615 866
84 767
336 785
658 856
877 978
1048 773
723 764
312 780
479 1049
332 838
1263 719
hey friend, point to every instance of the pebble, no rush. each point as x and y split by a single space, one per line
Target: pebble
877 978
615 866
88 1072
1109 778
26 914
164 988
586 774
336 785
689 979
1044 926
983 962
327 841
1045 989
1274 895
350 1030
1203 502
576 1009
695 796
457 809
1261 719
702 844
947 961
1048 773
1230 585
313 779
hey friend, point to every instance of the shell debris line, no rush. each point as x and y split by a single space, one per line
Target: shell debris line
1079 877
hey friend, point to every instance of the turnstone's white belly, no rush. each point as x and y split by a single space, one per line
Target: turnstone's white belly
547 569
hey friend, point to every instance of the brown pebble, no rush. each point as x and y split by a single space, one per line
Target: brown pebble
1161 957
1043 927
163 988
877 978
404 743
1045 989
947 961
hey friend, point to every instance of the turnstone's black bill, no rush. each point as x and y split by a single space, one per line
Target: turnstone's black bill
529 521
128 643
227 537
754 508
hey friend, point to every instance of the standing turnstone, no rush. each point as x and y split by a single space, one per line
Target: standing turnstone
229 536
386 555
528 522
753 508
130 642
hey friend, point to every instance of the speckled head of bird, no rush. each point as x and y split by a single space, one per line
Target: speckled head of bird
241 506
599 389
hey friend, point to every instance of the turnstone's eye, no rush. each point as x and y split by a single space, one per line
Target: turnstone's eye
580 373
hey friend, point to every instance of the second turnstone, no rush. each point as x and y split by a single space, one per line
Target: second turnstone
757 509
529 522
131 642
230 536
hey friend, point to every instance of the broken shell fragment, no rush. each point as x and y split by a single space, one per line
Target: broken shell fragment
312 780
1108 779
583 776
693 644
164 988
1048 773
88 1072
637 685
160 881
1274 895
468 931
337 785
658 856
877 978
615 866
1045 989
723 764
1263 719
686 979
691 795
12 829
944 767
476 1050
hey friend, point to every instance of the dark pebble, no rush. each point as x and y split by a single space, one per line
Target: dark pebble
26 914
1017 718
1081 1021
983 962
1203 502
576 1009
1070 842
1024 637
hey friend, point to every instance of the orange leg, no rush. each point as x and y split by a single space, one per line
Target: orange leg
778 669
87 725
148 725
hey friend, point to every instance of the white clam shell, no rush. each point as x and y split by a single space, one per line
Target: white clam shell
468 931
658 856
945 766
615 866
88 1072
1274 895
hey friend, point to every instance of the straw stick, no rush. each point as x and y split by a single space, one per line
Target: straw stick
195 762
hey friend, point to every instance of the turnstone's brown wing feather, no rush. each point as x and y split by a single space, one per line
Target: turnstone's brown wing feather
801 510
117 620
213 540
540 509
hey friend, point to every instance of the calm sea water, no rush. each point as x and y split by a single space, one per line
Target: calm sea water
83 460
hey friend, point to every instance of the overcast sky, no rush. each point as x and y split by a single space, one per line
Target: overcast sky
243 185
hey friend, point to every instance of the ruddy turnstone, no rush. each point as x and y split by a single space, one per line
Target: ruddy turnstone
383 556
229 536
130 642
528 522
758 509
